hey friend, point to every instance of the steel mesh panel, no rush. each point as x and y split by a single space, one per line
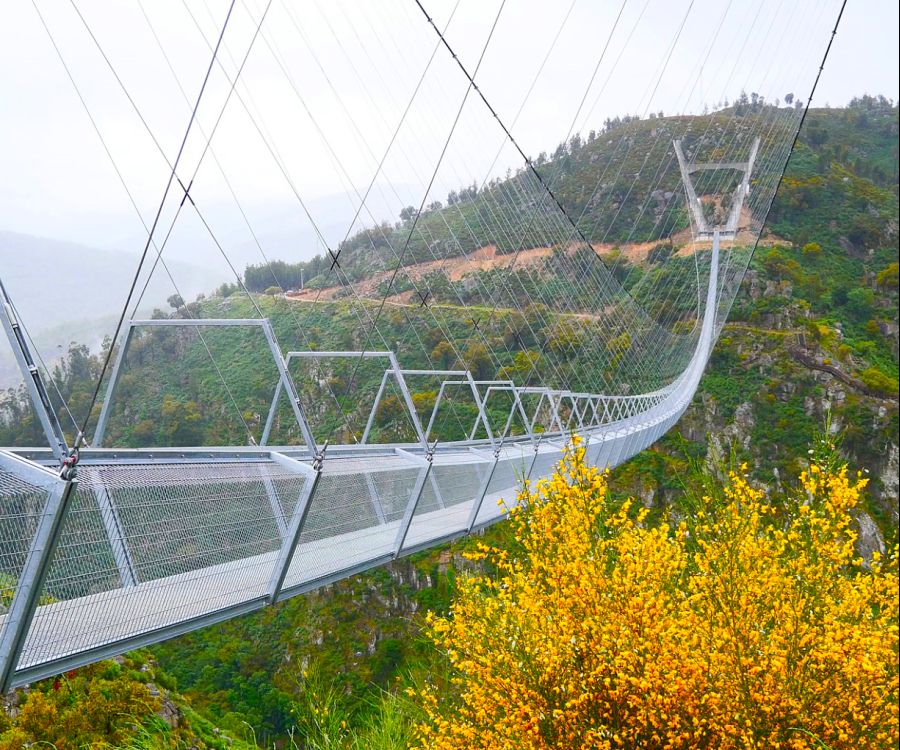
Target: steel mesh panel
206 532
447 500
343 528
351 491
284 488
21 505
181 517
342 504
459 483
394 489
83 562
507 477
503 486
545 464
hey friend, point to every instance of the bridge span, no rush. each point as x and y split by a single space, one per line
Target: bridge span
102 555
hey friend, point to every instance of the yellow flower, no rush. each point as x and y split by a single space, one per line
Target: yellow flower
753 625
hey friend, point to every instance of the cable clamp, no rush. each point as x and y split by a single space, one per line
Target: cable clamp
319 459
69 469
187 193
498 447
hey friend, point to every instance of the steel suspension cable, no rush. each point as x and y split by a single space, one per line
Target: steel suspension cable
430 184
796 137
80 435
159 211
528 163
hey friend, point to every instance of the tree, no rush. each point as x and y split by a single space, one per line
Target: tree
812 248
175 301
887 278
478 361
860 303
182 423
390 410
443 354
101 705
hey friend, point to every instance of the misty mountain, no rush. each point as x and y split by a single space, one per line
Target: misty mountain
281 228
67 292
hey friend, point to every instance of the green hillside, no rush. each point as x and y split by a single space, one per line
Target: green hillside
812 337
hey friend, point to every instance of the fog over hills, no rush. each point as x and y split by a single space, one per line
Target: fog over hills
69 292
74 290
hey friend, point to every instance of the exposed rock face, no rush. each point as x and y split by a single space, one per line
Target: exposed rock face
771 390
169 712
890 482
870 539
736 433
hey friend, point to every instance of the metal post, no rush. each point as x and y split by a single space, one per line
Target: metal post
521 407
270 418
509 418
505 385
33 380
105 408
620 450
407 397
693 201
376 503
274 503
436 489
482 491
478 402
537 447
298 519
742 190
434 410
115 533
629 447
31 580
537 410
554 411
492 385
288 385
378 396
414 496
580 415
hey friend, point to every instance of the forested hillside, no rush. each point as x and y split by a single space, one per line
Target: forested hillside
812 339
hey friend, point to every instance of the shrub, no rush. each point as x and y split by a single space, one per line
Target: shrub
745 625
888 276
877 381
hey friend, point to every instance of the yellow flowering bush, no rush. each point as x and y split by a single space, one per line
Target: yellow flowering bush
745 626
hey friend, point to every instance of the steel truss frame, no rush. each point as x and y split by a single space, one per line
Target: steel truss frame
394 369
501 386
400 375
284 379
740 192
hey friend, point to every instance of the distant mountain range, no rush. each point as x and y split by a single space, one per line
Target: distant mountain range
68 292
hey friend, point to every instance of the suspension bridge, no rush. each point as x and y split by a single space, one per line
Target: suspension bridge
106 547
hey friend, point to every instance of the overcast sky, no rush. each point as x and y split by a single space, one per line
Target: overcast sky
327 82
